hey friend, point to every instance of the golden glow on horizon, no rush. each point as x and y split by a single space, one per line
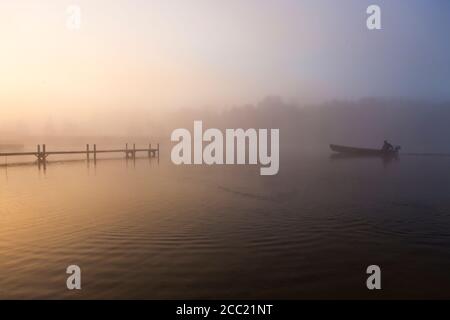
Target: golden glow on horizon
169 54
155 54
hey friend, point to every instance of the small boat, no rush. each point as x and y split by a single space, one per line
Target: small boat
354 151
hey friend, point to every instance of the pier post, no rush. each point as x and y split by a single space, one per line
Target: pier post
126 150
95 153
38 155
134 150
158 150
44 157
87 152
149 150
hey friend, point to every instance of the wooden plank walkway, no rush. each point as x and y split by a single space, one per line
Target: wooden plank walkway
41 153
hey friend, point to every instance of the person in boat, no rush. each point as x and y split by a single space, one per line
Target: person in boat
387 147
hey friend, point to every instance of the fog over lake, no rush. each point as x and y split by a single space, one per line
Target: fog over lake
91 92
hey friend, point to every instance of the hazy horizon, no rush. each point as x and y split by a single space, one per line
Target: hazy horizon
416 125
144 123
151 58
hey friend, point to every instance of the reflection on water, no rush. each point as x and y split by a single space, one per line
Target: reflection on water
147 230
385 160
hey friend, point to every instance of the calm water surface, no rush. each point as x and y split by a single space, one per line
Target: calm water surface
147 230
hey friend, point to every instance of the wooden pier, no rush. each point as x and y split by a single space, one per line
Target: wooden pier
41 153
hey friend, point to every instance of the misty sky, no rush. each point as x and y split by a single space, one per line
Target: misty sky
157 55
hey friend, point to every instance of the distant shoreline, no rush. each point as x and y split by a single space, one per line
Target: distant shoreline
11 146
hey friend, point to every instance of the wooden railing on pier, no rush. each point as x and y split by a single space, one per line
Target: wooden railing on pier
42 153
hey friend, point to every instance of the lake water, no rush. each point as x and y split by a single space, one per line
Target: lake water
143 229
